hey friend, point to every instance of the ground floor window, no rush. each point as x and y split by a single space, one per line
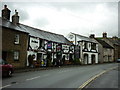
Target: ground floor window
16 55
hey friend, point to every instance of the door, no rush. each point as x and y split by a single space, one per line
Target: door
4 55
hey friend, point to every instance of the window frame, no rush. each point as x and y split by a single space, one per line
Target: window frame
16 55
85 45
93 46
17 39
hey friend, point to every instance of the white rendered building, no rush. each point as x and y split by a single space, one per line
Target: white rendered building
88 48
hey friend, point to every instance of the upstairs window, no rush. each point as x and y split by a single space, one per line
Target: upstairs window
85 45
93 46
42 43
17 39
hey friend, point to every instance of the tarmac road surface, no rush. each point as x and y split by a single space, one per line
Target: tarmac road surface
63 77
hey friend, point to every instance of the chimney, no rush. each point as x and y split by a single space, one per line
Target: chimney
104 35
6 13
15 18
92 36
115 38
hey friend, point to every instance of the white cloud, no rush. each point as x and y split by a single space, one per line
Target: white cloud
65 17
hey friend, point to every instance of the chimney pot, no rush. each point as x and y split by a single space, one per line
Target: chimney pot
104 35
15 18
6 13
92 36
5 6
115 38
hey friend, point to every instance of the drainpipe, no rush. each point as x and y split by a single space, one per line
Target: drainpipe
75 39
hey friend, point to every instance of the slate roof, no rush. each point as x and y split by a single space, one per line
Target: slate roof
8 24
83 38
116 42
35 32
104 44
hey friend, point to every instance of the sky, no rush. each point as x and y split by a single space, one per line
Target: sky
84 18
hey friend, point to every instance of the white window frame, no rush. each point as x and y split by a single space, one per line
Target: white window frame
16 55
17 39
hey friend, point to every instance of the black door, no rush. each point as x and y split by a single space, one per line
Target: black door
4 55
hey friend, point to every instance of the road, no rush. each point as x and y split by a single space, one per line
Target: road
63 77
109 80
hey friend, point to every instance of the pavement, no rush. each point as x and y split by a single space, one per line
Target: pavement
27 69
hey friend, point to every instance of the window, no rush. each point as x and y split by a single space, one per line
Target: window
85 45
93 46
16 55
16 40
42 43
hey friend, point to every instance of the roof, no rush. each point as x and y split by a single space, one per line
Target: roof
6 23
35 32
83 38
104 44
116 42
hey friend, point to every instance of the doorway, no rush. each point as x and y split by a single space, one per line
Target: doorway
92 59
4 55
85 58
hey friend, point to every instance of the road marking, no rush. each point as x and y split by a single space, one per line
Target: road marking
46 75
94 77
61 72
64 71
32 78
5 86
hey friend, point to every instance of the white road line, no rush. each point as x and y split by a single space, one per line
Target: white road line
5 86
61 71
32 78
46 75
64 71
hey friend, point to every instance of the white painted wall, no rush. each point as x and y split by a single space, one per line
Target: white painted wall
89 57
31 53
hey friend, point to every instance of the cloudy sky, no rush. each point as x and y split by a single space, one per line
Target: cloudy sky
84 18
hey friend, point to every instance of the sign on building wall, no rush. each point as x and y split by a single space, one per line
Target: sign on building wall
71 38
34 43
49 45
65 48
71 49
